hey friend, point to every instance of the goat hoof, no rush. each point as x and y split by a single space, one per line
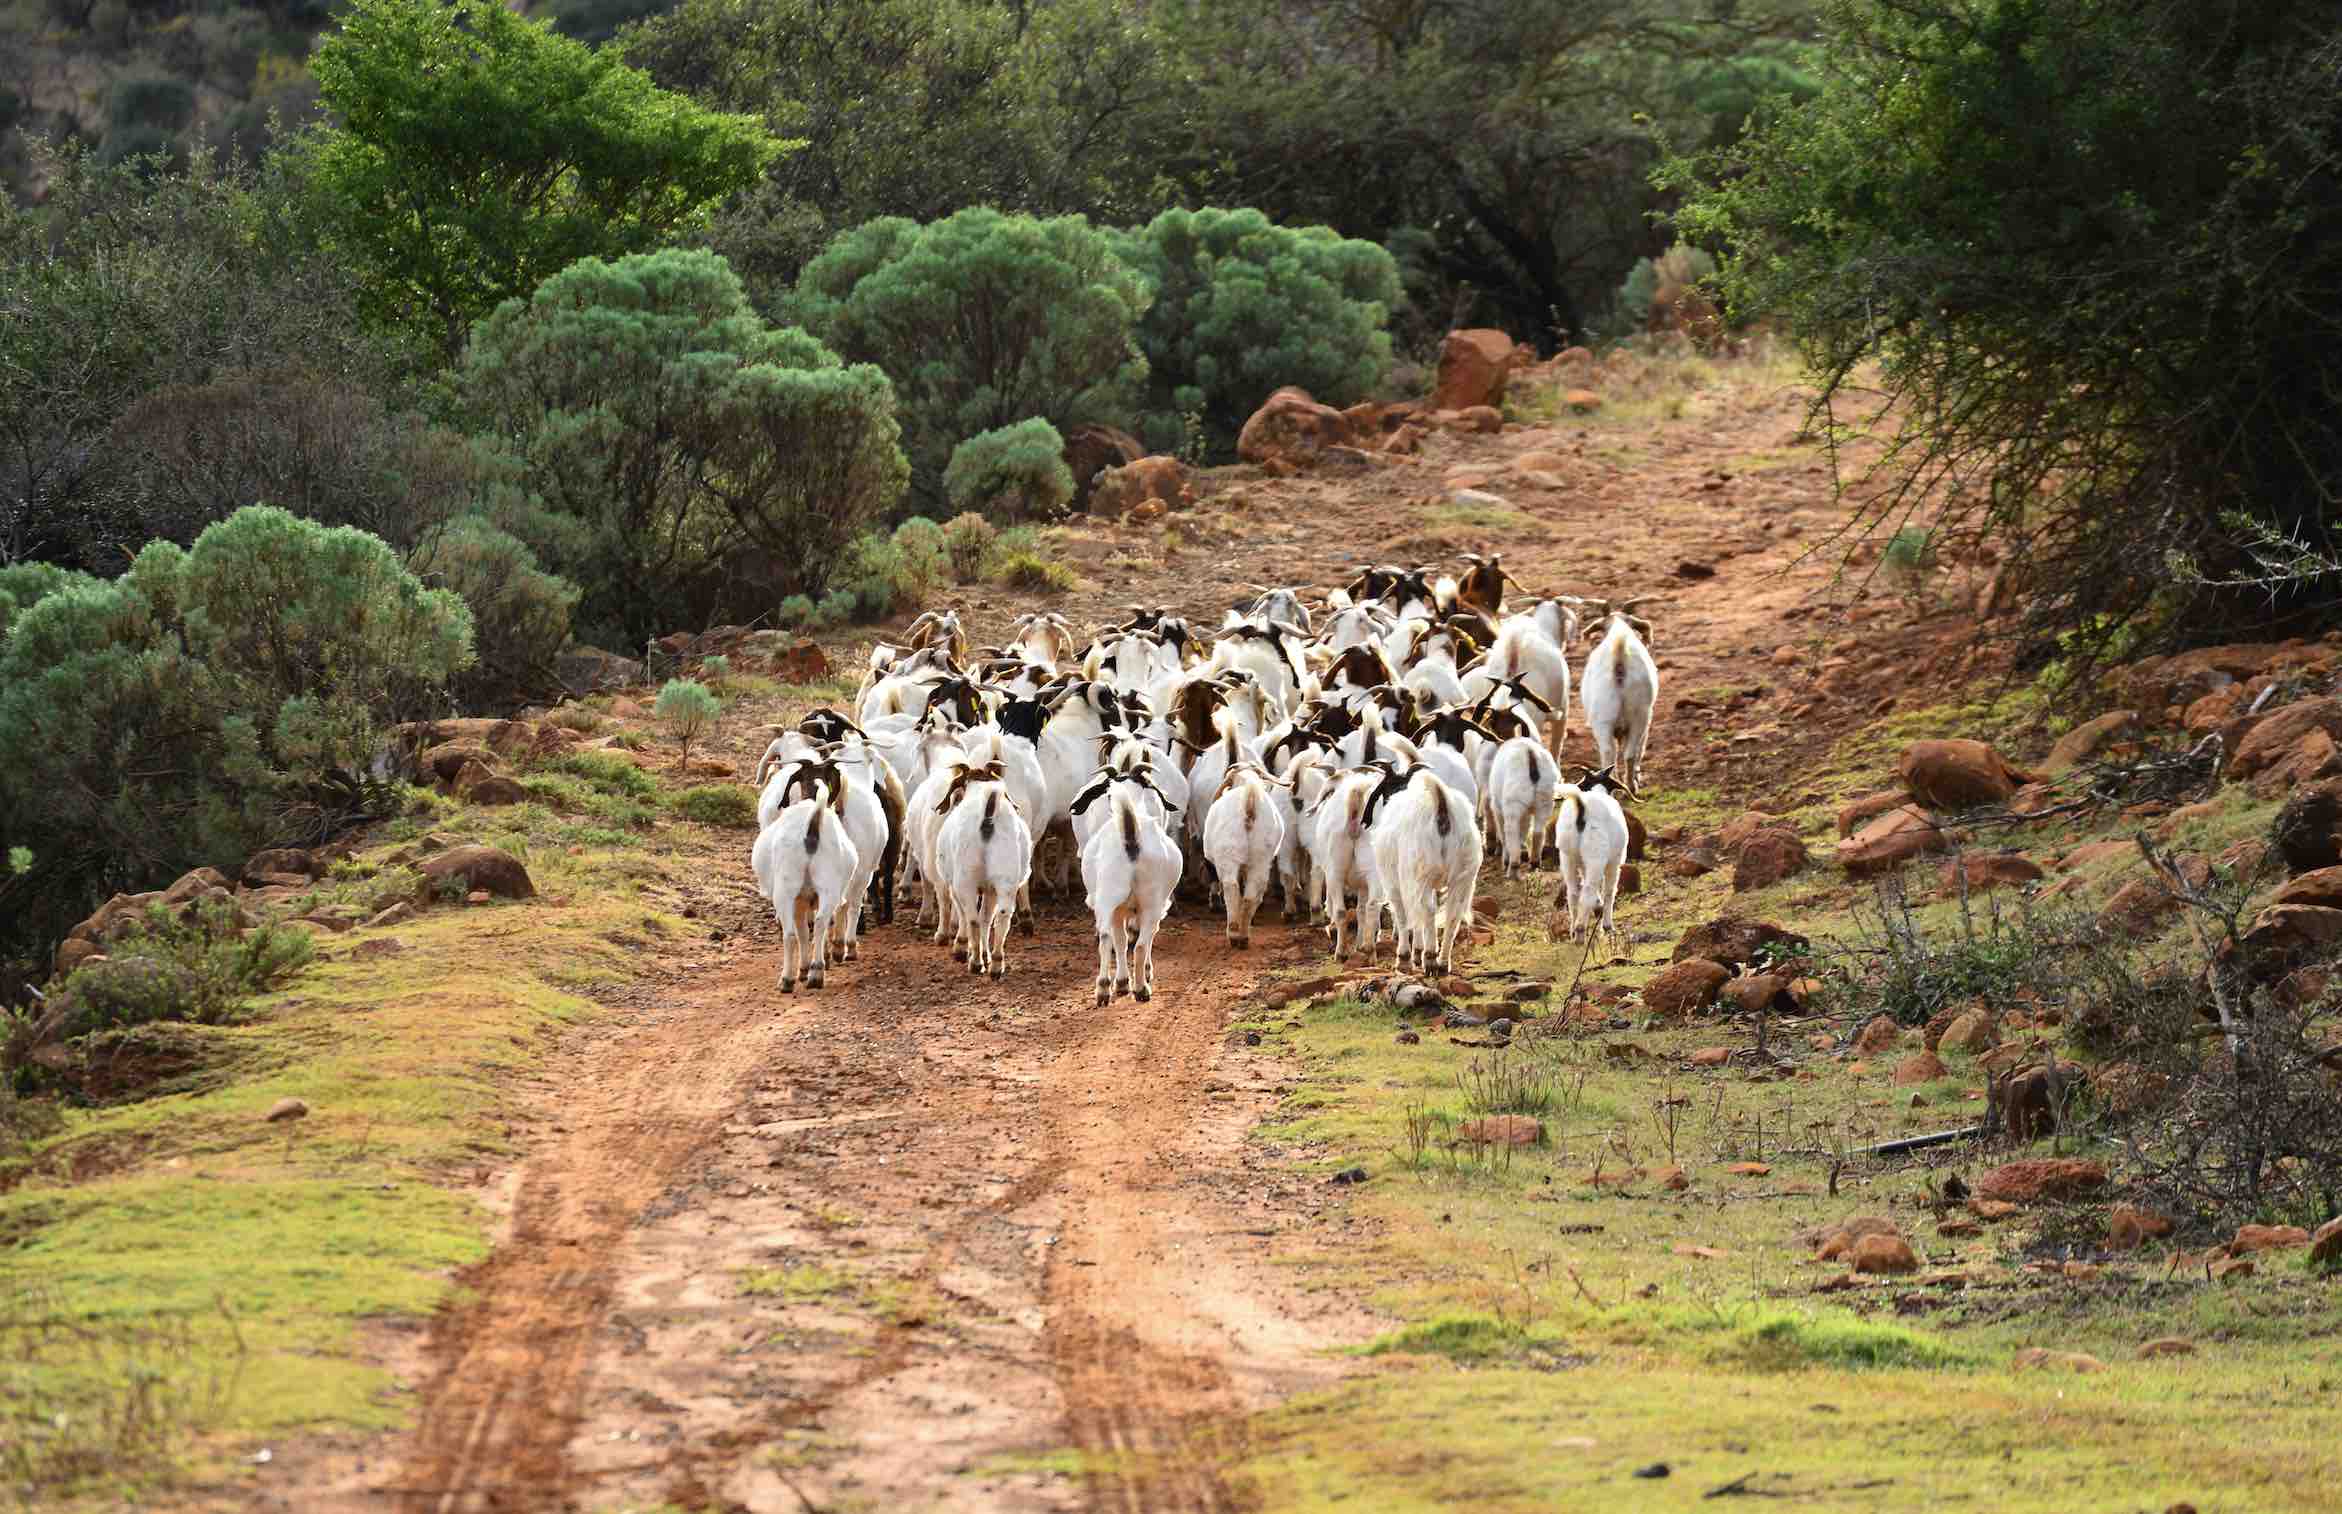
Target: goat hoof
959 954
1029 928
788 985
1142 994
813 980
1000 970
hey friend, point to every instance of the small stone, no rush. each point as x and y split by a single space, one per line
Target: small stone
1881 1033
478 896
2235 1266
2326 1246
1711 1056
1919 1067
2128 1227
1991 1211
2169 1345
2040 1358
1503 1130
1409 1038
287 1109
2041 1178
1671 1178
1750 1169
1349 1175
1971 1032
1957 1228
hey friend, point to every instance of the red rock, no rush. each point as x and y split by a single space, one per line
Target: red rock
1090 450
1473 367
1883 1253
2325 1247
2042 1359
1992 1211
2235 1266
1710 1056
1881 1033
1919 1067
1582 401
1734 940
1118 492
1291 428
2275 736
481 868
1503 1130
2168 1345
1750 1169
2041 1178
2252 1238
1768 857
1684 988
1672 1178
2138 908
282 859
1891 840
2322 888
2287 931
1957 1228
1958 775
495 790
1758 993
1970 1032
2313 757
2308 828
2087 740
1989 870
1870 807
2128 1227
1831 1241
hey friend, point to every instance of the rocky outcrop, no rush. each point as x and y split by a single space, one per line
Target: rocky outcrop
1474 365
1125 491
1091 450
480 869
1958 775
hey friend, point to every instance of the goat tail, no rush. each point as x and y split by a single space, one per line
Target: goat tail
813 832
991 803
1251 807
1439 814
1129 831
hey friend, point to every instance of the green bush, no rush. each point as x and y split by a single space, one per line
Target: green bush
697 450
207 703
796 610
925 557
608 774
875 574
1015 473
689 712
1678 267
969 540
520 613
1034 573
723 804
200 971
1242 306
162 103
1055 306
838 608
2000 207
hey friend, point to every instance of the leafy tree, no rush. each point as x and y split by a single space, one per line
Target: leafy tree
123 286
2094 246
919 108
1506 143
1014 472
982 320
706 462
520 613
209 701
1243 306
479 153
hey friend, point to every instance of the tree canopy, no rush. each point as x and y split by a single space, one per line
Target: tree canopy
479 152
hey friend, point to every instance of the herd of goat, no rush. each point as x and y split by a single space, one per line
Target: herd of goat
1362 760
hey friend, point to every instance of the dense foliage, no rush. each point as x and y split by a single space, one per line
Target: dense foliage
207 702
477 153
982 320
1012 472
1243 306
2097 245
692 460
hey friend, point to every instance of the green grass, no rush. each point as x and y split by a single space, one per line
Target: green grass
795 1284
728 805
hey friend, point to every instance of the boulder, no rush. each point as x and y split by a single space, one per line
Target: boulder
2313 757
2138 908
584 670
1767 857
1958 775
1090 450
444 763
1881 1033
73 951
1502 1130
1989 870
2252 1238
1119 492
802 663
1891 840
2128 1227
495 790
1920 1067
2325 1247
482 869
279 859
1637 835
1855 813
1831 1241
2274 737
2288 931
1883 1254
2041 1178
1733 941
202 884
1473 367
2087 740
2307 832
2320 886
1582 401
1292 429
1971 1032
1685 988
1759 992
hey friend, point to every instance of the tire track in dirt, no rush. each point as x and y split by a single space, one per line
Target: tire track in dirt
1071 1187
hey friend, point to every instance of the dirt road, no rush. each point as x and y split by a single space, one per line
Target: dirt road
890 1245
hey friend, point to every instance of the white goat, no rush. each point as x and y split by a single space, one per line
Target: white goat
1524 652
983 853
1129 868
1522 782
1243 833
1589 830
1427 864
805 865
1621 690
1342 860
